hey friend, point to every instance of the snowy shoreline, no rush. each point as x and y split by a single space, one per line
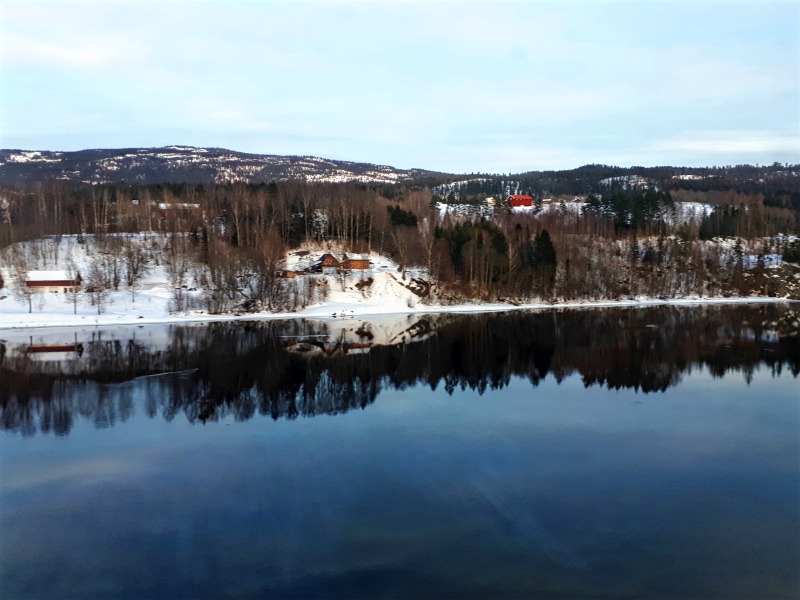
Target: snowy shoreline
379 291
340 310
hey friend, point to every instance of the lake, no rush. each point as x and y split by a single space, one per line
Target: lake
610 453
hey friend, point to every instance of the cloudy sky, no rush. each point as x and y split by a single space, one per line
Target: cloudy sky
455 86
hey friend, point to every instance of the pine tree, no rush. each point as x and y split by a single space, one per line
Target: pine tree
544 252
544 256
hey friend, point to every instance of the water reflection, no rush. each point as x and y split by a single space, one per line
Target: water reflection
550 474
49 379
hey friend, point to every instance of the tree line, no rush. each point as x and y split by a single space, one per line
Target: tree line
232 239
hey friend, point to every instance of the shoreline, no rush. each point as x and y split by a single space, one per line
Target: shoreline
333 311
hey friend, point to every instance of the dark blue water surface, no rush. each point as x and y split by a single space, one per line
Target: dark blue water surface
613 454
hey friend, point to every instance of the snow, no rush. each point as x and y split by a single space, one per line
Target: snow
465 210
443 189
568 206
390 293
630 182
693 210
48 276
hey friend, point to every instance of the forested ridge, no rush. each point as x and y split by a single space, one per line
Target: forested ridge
629 240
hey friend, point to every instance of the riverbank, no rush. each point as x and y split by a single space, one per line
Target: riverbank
54 311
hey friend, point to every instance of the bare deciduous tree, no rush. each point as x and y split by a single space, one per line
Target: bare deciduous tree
96 285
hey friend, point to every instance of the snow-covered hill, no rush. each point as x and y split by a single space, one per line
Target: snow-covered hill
381 289
190 165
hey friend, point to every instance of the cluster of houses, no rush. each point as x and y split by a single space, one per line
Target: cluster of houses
328 264
523 200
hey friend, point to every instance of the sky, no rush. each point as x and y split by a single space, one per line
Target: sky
464 87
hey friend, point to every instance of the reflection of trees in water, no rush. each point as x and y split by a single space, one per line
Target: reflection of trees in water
223 370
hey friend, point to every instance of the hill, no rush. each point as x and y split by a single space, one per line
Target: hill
186 164
778 184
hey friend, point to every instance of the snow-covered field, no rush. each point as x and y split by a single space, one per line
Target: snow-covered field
389 293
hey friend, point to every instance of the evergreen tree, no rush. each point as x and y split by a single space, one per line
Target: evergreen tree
544 252
544 256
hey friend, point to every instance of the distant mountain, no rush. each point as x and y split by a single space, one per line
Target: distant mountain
189 165
780 184
769 180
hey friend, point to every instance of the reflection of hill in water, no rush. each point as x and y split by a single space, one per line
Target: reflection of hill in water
288 369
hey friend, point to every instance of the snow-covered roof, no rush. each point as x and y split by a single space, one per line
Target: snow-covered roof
177 206
354 256
49 276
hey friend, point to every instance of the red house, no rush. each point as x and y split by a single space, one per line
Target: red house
52 281
520 200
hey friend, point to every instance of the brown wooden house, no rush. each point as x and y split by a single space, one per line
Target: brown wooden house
356 262
325 263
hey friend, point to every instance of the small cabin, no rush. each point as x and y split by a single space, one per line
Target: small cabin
328 260
356 262
325 264
52 281
517 200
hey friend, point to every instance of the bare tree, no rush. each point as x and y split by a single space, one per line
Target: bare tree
178 261
20 267
136 264
96 280
74 291
111 254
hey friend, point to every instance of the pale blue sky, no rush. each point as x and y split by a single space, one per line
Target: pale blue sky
455 86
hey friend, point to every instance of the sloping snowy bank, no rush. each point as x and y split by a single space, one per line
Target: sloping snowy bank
380 290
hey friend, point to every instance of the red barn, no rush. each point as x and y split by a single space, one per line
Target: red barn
520 200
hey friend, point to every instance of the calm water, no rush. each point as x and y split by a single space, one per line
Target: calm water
607 453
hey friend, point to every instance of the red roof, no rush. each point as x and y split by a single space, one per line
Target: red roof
520 200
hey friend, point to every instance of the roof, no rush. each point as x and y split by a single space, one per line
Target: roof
178 206
49 276
353 256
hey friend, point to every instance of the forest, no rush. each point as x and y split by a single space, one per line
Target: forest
232 239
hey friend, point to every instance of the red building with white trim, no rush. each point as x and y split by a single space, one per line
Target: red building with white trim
520 200
52 281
